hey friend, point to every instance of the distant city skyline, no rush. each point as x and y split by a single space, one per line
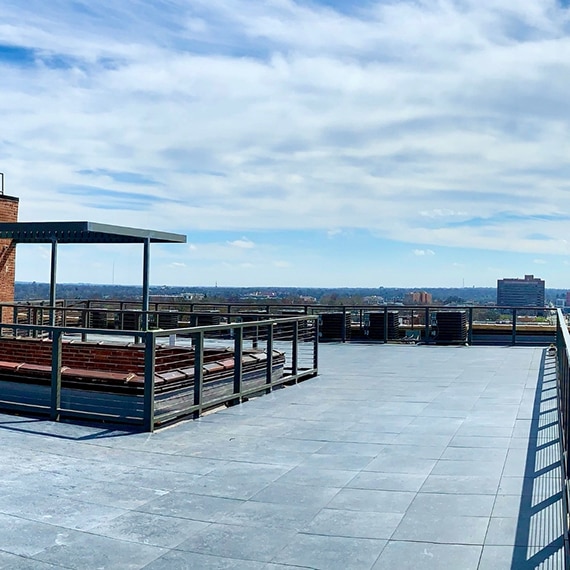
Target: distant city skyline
321 143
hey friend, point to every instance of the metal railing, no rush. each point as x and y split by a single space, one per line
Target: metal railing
563 382
484 324
253 358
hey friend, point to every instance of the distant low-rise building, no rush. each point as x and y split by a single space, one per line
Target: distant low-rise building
178 297
527 292
260 295
418 298
373 300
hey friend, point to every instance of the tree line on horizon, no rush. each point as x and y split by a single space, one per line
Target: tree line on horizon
26 291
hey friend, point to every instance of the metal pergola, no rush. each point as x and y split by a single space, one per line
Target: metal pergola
56 233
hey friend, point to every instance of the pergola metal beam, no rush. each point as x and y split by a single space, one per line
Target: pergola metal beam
82 232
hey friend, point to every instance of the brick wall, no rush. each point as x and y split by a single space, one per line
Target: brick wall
107 357
8 213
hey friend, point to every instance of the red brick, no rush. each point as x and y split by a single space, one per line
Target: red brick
8 213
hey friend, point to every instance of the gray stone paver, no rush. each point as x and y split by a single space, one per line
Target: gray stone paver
331 552
394 457
355 524
81 550
152 529
428 556
13 562
238 541
442 528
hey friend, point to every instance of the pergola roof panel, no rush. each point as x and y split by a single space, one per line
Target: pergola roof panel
82 232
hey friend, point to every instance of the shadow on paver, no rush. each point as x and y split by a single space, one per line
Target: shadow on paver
539 540
43 427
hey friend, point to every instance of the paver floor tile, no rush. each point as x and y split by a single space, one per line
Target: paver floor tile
428 556
331 552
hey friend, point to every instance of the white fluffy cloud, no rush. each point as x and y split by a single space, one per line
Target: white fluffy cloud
432 122
242 243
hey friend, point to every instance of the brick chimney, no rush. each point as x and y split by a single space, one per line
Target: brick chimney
8 213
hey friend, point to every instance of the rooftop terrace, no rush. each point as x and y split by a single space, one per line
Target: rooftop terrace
393 457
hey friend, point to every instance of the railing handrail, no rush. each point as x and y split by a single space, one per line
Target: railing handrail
160 332
563 331
260 306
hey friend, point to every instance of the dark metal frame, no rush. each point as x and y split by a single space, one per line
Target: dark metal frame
149 338
563 382
292 375
55 233
234 312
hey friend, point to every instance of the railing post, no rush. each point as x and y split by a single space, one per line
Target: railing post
426 326
199 372
84 324
316 345
295 350
55 375
470 325
385 324
238 364
343 325
149 365
255 338
41 321
514 329
269 369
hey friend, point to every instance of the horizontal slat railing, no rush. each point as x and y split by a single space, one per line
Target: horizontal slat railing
247 339
563 383
485 324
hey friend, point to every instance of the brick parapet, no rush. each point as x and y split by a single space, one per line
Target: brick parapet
95 356
8 213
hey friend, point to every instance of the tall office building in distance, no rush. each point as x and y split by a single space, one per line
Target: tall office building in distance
527 292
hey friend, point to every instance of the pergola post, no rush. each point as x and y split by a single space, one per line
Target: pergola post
146 284
52 282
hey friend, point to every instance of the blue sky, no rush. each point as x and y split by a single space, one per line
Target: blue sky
295 143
